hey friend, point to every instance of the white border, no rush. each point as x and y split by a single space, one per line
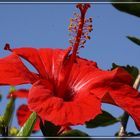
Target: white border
63 2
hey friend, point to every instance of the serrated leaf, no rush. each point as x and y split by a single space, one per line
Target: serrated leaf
27 128
9 112
49 129
74 133
134 39
134 71
130 8
102 120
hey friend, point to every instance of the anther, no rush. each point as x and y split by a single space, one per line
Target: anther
79 5
90 25
76 22
90 19
82 46
84 42
87 37
87 5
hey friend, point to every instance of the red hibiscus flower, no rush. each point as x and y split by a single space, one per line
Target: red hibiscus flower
68 90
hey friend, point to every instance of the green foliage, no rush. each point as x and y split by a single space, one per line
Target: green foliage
74 133
134 39
49 129
27 128
130 8
102 120
134 71
9 112
133 9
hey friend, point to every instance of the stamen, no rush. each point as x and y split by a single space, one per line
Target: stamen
79 28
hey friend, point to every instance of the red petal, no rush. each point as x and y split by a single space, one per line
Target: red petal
32 55
46 60
125 97
53 60
13 71
21 93
59 112
86 76
114 87
23 114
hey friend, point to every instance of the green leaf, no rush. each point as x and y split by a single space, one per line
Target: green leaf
134 39
134 71
27 128
104 119
130 8
9 111
74 133
49 129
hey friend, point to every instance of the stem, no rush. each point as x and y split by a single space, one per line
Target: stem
125 117
8 114
137 82
124 120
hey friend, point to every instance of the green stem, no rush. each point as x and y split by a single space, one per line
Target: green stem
122 132
8 112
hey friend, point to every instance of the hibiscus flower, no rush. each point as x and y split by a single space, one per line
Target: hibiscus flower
68 90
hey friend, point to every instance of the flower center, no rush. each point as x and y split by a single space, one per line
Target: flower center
68 96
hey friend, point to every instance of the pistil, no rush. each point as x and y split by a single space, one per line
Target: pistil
79 30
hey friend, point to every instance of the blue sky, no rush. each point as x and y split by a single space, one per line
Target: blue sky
46 25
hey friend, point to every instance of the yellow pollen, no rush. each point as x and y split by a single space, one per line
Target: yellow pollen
87 37
84 42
